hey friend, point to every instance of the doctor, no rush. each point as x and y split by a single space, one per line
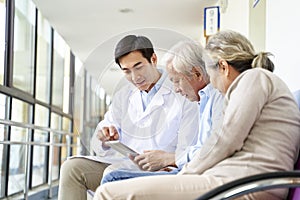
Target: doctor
146 115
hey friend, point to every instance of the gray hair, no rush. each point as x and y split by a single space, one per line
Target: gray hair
188 54
237 50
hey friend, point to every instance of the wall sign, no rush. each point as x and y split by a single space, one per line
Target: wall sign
211 20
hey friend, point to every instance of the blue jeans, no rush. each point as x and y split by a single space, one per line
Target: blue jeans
124 174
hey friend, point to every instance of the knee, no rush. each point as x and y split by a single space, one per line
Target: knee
70 168
109 177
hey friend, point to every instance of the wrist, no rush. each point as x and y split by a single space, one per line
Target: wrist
104 146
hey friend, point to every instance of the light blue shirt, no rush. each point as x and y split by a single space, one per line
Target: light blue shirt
211 117
147 96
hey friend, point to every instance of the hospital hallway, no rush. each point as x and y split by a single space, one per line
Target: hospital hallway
58 75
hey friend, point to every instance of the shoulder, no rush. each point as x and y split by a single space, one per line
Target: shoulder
125 91
257 72
254 78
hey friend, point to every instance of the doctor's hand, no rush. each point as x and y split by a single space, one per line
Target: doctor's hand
154 160
107 134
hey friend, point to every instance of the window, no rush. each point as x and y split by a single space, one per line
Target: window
39 170
2 38
61 66
43 59
35 94
3 148
24 34
55 138
21 112
3 106
65 139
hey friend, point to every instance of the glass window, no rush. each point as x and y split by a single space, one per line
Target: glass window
95 105
43 59
24 34
21 112
3 148
3 160
61 61
66 139
2 38
55 124
102 102
87 100
39 170
3 105
67 83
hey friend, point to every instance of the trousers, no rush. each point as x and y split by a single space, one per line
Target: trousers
77 175
175 187
121 174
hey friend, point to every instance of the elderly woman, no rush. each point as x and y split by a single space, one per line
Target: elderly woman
260 131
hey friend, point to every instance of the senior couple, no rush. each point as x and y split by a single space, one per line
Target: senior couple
186 149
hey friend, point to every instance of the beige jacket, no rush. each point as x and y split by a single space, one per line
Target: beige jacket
260 133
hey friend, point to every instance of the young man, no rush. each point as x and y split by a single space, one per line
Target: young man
145 115
186 69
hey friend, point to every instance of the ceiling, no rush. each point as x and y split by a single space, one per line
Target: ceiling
93 27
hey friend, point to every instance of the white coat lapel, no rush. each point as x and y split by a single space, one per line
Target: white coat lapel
135 106
158 100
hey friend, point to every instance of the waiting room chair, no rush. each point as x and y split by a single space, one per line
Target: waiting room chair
260 182
255 183
297 97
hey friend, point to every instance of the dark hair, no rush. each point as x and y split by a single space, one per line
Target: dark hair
132 43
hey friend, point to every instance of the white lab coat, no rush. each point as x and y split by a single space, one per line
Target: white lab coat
169 123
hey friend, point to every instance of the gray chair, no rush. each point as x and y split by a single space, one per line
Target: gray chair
297 97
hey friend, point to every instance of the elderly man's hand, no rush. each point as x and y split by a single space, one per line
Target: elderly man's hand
154 160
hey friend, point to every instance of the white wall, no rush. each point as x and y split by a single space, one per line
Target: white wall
236 17
283 39
271 26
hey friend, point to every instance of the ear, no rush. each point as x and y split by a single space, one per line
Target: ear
197 72
154 59
224 67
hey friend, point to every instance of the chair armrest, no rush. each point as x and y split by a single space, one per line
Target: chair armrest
272 180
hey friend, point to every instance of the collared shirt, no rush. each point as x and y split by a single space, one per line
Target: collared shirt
211 117
169 122
147 96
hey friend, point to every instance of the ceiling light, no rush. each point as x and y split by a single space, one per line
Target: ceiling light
125 10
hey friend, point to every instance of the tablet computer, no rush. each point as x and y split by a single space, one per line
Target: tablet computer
121 148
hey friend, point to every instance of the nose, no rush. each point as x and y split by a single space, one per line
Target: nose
135 77
177 89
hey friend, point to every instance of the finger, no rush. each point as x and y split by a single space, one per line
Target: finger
143 162
146 167
99 134
113 133
131 157
138 158
105 131
102 134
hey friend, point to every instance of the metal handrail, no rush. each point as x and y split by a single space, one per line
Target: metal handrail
255 183
35 127
37 143
27 144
